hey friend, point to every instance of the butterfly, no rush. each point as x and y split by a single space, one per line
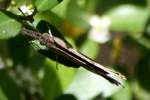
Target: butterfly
63 49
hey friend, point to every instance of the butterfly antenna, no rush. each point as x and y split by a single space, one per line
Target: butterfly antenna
29 18
22 12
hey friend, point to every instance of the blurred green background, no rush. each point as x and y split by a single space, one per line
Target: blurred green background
116 33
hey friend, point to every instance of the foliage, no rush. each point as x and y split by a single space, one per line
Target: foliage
26 74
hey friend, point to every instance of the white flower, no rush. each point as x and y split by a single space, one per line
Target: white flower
100 29
26 10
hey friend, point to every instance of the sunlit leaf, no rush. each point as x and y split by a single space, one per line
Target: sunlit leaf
123 94
75 23
87 85
128 18
61 9
48 16
43 5
75 15
9 27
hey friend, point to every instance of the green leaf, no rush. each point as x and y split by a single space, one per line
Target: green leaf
128 18
140 92
19 50
43 5
90 48
86 85
123 94
55 80
37 61
63 6
76 15
66 97
48 16
2 95
142 41
9 27
9 87
65 74
142 72
50 83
